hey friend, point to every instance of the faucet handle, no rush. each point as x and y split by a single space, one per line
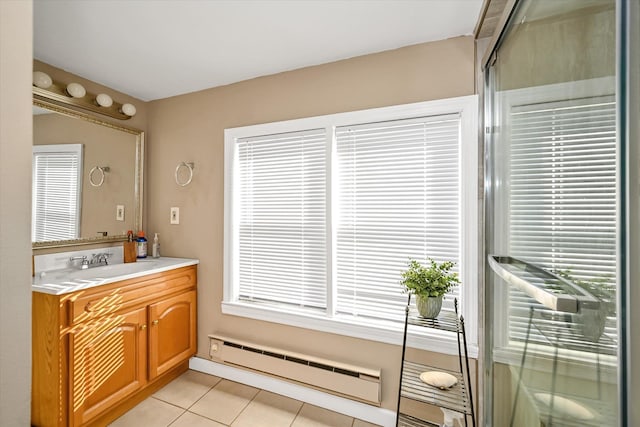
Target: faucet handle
85 261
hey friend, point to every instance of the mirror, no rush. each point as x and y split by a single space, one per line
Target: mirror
108 182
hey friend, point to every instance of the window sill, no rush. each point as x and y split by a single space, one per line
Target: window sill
368 329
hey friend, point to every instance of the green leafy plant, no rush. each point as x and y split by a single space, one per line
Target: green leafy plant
432 281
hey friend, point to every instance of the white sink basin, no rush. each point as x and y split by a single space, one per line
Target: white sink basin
71 279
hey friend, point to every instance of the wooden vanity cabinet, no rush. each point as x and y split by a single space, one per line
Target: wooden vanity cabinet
99 351
172 335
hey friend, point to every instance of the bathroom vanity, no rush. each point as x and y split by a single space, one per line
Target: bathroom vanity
107 337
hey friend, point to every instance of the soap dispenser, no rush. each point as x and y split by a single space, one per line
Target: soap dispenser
155 250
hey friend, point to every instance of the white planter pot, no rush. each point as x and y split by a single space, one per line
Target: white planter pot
429 307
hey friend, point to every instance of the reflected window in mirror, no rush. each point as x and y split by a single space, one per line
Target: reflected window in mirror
57 187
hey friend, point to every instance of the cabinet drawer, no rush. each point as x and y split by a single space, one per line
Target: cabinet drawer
107 299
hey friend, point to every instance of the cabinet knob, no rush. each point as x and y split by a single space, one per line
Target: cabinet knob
88 307
155 322
143 327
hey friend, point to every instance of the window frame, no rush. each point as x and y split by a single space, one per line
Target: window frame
381 331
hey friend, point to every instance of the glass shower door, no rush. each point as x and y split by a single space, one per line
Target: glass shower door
552 218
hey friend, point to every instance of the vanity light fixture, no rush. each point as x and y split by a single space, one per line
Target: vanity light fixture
42 80
76 90
75 95
128 109
104 100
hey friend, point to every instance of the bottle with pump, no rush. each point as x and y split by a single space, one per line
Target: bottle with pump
156 247
141 245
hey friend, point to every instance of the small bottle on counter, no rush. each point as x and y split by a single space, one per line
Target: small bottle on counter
155 251
141 245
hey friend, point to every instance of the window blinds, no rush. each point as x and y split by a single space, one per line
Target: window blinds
57 182
282 218
562 213
399 197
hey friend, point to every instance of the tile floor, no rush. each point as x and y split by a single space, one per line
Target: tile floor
199 400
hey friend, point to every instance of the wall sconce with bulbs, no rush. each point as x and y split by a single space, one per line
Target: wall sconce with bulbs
74 94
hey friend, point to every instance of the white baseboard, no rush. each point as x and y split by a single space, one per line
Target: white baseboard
362 411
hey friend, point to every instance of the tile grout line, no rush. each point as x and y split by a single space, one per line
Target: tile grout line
202 397
297 414
245 406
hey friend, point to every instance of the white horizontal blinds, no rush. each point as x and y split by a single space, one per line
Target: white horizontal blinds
563 202
56 191
399 197
282 224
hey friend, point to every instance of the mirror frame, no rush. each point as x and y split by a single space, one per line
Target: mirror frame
40 99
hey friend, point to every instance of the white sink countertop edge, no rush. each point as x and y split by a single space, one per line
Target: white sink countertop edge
45 283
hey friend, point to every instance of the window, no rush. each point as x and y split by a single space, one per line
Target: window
398 198
562 213
282 222
57 178
322 214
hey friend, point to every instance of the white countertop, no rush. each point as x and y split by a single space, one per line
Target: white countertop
64 281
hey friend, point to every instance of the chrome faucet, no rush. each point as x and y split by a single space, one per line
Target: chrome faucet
99 258
84 264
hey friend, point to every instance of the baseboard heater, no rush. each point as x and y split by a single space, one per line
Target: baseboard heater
355 382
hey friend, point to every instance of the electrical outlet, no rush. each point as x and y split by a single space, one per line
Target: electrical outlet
175 215
119 212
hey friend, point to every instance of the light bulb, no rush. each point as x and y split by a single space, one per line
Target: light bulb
42 80
128 109
76 90
104 100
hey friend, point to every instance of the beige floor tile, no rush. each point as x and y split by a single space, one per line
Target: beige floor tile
360 423
189 419
225 401
268 410
313 416
185 390
150 412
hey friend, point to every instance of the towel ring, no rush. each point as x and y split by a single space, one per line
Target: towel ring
189 166
102 170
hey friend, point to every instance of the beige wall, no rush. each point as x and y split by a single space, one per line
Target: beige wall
190 128
103 146
15 212
586 39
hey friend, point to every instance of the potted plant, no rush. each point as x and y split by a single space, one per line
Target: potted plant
429 284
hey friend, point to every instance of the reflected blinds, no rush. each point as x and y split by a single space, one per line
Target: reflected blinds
56 191
398 197
282 218
562 178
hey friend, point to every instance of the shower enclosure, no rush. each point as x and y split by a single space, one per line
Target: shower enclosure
556 216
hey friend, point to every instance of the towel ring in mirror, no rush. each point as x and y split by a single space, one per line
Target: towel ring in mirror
102 170
189 166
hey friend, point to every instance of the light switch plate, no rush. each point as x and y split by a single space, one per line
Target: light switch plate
119 212
175 215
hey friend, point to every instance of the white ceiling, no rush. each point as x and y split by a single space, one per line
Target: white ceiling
153 49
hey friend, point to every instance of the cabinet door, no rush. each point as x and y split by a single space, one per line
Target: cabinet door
108 360
172 332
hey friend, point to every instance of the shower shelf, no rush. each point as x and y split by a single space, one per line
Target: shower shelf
551 290
458 398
